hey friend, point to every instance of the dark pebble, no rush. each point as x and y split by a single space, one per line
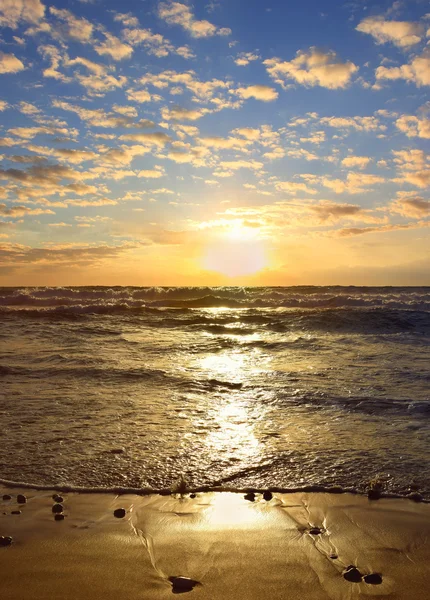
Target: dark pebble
15 512
373 578
59 517
182 584
373 494
58 498
333 556
315 531
119 513
416 497
21 499
193 495
7 497
57 508
5 540
117 451
250 496
267 495
351 573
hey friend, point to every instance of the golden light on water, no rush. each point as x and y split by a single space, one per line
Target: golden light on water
234 435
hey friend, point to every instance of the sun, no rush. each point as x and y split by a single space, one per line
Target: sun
237 252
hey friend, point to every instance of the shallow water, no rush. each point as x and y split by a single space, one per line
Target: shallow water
285 387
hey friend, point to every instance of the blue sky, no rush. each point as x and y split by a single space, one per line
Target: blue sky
153 143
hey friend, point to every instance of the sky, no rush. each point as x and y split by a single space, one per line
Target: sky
222 142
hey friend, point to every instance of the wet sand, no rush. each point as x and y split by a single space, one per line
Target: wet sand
217 545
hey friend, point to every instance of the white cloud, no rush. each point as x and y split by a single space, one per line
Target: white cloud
259 92
71 26
13 12
3 105
177 113
356 161
9 63
415 207
244 58
417 71
357 123
312 68
400 33
413 126
113 47
176 13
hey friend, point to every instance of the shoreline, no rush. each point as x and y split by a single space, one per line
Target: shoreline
414 496
310 545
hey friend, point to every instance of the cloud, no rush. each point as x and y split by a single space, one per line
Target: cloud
225 143
293 187
234 165
153 139
177 113
249 133
99 118
355 183
352 231
70 255
417 71
176 13
244 58
413 167
312 68
140 96
155 173
128 111
415 207
3 105
14 12
113 47
413 126
259 92
72 27
20 211
357 123
9 63
400 33
356 161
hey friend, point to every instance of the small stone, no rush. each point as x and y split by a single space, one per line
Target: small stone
333 556
15 512
58 498
117 451
373 578
5 540
250 496
119 513
415 496
7 497
193 495
59 517
21 499
182 584
267 495
57 508
373 494
315 530
351 573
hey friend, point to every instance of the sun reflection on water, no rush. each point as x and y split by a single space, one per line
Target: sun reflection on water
234 435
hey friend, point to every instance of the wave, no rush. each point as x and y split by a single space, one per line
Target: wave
123 298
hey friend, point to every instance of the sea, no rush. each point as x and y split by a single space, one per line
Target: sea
139 388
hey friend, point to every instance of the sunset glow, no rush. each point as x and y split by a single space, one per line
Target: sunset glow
176 143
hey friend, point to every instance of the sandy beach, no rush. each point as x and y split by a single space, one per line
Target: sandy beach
314 546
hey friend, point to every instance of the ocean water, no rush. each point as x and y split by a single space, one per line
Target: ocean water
234 387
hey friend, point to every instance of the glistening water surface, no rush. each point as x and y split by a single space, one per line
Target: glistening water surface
286 387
